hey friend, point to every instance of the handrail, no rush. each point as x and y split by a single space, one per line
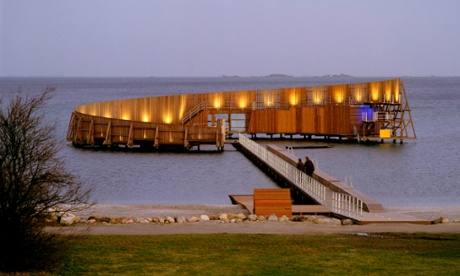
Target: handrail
341 204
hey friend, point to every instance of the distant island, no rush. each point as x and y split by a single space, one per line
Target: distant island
278 75
336 76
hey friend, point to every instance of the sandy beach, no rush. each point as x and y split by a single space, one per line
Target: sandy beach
452 213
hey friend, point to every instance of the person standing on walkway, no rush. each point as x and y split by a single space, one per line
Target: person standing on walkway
309 166
301 165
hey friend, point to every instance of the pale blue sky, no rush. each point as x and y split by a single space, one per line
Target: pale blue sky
214 38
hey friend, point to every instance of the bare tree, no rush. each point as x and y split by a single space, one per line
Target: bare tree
33 179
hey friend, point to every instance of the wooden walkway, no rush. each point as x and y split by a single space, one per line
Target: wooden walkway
373 211
247 201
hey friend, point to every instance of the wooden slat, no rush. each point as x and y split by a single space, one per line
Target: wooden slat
272 201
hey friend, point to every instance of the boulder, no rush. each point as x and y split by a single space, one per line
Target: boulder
193 219
347 222
91 221
241 216
93 217
127 221
223 217
105 219
181 219
142 220
169 219
204 217
69 219
441 220
115 221
252 217
284 218
272 217
156 219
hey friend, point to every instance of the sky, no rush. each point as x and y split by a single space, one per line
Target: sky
142 38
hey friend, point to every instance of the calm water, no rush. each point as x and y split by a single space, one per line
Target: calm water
420 172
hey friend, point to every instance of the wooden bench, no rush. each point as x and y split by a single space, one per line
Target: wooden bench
273 201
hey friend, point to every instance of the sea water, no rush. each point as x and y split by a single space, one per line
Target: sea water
424 171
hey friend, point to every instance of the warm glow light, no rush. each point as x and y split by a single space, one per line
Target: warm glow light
145 117
183 102
317 95
375 91
396 91
242 103
293 99
167 118
358 93
218 100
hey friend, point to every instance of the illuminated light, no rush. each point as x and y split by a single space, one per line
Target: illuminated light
121 138
217 100
339 98
375 91
293 99
145 117
317 96
167 118
358 93
268 99
183 103
145 135
387 91
242 103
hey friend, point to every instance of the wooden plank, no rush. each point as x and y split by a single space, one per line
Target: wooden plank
272 201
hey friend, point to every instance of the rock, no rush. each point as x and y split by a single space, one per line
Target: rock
241 216
284 218
156 219
204 217
91 221
347 222
69 219
142 220
193 219
318 221
169 219
213 218
456 221
105 219
261 218
231 216
51 218
252 217
440 220
272 217
127 221
223 217
445 220
180 219
115 221
94 217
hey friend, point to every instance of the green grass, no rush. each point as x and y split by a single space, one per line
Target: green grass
261 254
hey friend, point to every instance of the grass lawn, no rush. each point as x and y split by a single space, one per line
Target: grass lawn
262 254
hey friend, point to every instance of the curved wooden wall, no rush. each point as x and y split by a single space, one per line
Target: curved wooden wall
321 110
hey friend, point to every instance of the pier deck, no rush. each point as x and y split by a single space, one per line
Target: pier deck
351 203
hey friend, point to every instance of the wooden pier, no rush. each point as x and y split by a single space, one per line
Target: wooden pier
334 196
361 111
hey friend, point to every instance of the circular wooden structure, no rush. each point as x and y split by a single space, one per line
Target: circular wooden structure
362 111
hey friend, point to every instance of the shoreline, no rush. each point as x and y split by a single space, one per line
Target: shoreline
246 227
148 210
